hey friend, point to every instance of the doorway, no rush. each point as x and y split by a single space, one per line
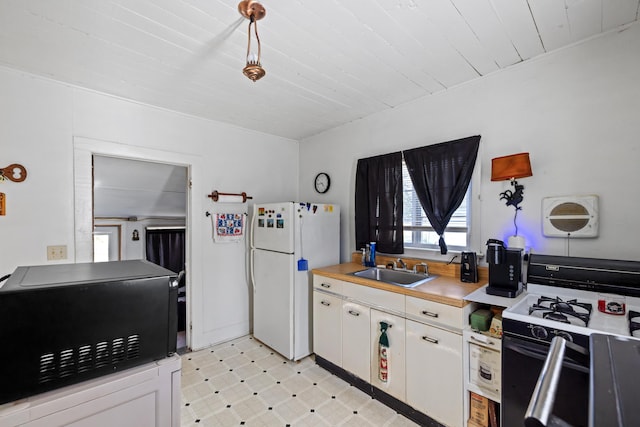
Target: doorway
146 202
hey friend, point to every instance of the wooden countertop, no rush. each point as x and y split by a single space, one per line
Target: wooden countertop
443 289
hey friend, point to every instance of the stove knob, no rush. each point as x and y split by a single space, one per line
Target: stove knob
566 335
539 332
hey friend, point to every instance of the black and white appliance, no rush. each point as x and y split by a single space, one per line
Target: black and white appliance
61 324
505 268
571 298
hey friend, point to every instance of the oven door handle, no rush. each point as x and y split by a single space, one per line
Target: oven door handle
544 394
579 361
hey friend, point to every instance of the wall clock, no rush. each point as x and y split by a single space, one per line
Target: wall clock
322 183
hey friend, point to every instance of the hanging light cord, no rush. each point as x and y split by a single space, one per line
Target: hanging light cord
253 21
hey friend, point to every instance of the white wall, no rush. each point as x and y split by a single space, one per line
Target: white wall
577 112
43 125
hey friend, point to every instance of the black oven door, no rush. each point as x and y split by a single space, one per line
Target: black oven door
522 361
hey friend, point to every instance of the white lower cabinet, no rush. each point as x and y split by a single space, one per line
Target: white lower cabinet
434 373
327 327
355 339
396 368
425 368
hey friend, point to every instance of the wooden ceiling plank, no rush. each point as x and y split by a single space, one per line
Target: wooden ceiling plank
334 53
552 22
619 12
399 87
438 57
386 37
446 19
585 18
483 21
517 21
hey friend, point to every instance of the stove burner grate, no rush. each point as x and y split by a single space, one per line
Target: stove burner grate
562 311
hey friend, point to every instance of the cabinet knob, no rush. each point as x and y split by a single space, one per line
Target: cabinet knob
429 339
430 314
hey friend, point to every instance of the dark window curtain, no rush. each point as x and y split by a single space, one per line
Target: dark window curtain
441 174
379 203
166 248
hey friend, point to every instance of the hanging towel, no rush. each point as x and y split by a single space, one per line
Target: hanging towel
383 353
228 227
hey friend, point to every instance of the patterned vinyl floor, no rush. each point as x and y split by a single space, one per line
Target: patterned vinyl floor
244 383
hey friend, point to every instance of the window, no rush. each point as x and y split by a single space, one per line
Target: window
106 243
418 232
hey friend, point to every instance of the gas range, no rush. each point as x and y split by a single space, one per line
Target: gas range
571 297
560 311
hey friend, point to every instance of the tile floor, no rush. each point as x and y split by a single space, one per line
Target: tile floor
244 383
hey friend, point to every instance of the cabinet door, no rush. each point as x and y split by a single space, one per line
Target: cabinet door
355 339
434 367
396 372
327 327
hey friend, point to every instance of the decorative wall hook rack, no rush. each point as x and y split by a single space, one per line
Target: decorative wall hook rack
216 196
14 172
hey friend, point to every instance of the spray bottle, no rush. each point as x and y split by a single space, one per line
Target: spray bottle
383 353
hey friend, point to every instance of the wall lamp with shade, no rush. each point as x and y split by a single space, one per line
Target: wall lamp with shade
510 168
253 11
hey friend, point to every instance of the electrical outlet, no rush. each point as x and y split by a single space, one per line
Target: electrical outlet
55 253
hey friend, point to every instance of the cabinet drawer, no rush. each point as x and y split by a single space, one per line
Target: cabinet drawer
327 284
375 297
434 312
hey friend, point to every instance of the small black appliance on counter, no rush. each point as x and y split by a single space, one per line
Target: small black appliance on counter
505 268
469 267
61 324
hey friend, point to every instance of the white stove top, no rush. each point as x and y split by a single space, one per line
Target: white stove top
599 322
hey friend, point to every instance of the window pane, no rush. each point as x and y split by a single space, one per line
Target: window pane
422 234
100 247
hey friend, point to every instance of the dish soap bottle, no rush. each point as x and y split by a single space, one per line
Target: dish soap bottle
364 257
372 254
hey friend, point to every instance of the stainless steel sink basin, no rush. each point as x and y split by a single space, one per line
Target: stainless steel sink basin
406 279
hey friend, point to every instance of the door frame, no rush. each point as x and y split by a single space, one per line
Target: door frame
83 150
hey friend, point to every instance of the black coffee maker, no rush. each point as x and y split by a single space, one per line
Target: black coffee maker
505 268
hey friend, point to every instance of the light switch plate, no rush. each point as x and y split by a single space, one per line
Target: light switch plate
55 253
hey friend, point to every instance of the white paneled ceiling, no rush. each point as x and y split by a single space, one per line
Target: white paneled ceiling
328 62
125 188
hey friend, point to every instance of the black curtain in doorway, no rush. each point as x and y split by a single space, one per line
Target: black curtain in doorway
166 248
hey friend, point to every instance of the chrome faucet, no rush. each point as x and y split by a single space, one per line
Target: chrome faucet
401 264
422 264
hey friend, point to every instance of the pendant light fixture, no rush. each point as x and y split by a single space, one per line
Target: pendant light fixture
253 11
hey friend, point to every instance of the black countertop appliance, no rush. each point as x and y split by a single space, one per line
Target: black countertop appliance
505 267
65 323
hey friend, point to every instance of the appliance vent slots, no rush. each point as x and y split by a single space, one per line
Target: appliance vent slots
47 367
85 358
570 216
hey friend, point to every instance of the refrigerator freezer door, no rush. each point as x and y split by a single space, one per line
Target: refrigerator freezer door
273 300
273 227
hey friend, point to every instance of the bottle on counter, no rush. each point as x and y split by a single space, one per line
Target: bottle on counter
367 255
364 257
372 254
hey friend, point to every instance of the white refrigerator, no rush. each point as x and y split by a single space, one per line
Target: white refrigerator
288 240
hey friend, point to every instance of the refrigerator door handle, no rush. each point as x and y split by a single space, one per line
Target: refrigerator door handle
252 229
252 268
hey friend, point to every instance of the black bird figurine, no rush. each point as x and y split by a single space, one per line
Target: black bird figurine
513 198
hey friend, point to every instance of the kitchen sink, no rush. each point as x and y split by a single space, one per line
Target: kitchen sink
406 279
